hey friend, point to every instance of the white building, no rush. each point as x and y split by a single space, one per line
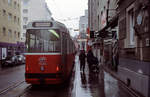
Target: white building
83 25
33 10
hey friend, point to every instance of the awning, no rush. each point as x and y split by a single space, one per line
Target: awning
103 33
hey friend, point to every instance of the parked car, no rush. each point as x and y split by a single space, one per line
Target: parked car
9 61
20 59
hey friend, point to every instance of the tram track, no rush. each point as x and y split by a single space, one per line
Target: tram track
9 88
24 91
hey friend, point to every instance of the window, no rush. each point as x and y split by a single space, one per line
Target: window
15 18
25 10
24 35
18 6
9 33
9 2
130 41
9 16
131 25
15 34
4 12
18 20
15 4
25 2
24 26
25 20
47 42
4 31
18 34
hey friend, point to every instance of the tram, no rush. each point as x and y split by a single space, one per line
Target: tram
50 53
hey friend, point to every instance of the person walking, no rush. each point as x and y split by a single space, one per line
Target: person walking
92 61
82 57
90 58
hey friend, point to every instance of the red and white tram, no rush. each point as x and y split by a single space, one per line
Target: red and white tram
50 53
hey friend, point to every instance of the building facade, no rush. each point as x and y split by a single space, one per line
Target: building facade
10 28
92 15
134 44
83 25
124 38
33 10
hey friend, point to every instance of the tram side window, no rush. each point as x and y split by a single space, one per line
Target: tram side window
32 41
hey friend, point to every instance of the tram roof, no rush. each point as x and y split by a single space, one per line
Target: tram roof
55 25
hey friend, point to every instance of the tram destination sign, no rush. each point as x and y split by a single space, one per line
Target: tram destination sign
42 24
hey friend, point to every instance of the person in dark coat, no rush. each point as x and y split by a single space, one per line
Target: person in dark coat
90 57
92 61
82 57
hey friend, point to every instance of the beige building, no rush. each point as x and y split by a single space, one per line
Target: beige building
10 27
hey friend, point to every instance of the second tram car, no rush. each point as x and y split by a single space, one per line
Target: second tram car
50 53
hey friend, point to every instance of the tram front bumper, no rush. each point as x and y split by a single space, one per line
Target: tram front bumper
43 78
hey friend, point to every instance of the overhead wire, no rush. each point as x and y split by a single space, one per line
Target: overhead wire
58 9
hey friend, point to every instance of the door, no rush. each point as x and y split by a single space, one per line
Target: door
64 53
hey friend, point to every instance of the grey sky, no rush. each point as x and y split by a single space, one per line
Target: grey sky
70 10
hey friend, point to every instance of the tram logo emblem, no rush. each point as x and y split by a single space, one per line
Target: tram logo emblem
43 61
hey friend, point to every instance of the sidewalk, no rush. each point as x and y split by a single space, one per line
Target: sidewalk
119 75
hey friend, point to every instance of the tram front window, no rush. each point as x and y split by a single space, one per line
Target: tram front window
43 40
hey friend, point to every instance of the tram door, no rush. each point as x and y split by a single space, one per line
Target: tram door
64 52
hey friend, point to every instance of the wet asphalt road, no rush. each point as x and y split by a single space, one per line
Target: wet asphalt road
81 84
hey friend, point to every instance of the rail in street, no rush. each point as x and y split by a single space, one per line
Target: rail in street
11 87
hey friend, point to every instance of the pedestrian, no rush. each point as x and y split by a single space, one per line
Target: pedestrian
90 57
82 57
